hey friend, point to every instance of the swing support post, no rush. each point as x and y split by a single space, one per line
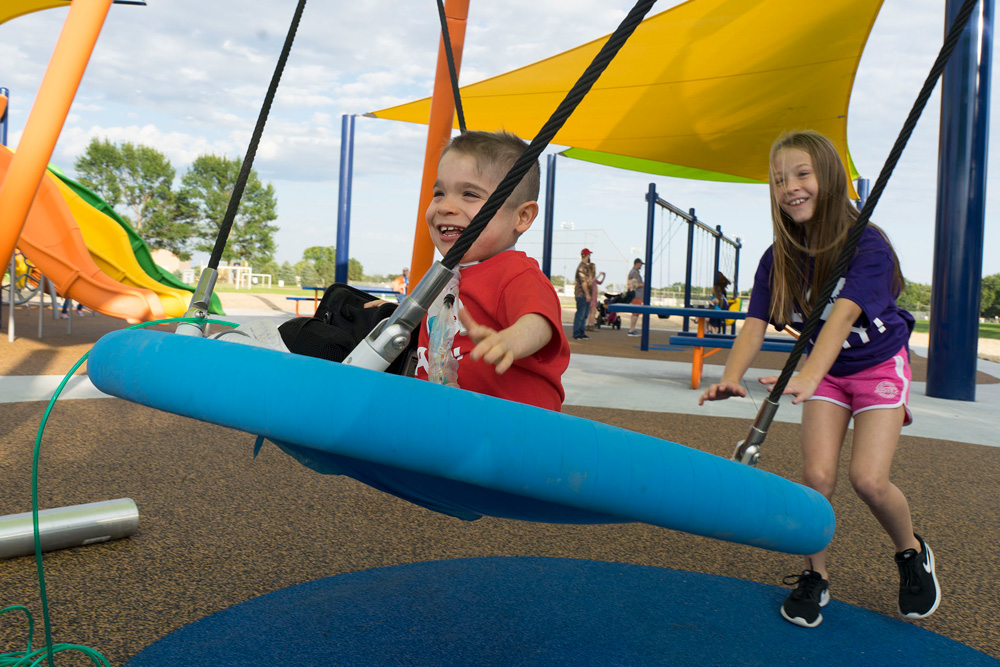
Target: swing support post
439 127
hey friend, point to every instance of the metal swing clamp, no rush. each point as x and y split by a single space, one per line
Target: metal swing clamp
748 450
198 309
391 336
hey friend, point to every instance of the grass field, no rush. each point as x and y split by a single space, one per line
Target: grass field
986 329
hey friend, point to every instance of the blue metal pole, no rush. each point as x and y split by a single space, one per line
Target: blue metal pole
736 276
718 247
344 207
648 278
3 117
687 270
958 234
550 192
863 190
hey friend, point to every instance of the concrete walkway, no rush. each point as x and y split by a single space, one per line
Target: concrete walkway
664 386
648 385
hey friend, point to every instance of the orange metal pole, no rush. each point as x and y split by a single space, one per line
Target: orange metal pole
442 120
698 360
55 96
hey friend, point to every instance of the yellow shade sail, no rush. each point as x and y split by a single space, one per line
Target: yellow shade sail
11 9
700 90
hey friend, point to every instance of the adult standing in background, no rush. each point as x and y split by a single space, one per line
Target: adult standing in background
582 290
636 283
401 284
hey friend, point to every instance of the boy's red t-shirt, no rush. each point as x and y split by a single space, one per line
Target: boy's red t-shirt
497 292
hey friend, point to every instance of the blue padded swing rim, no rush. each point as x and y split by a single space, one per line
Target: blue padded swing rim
543 456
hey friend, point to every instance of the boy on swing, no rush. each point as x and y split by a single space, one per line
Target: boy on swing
497 329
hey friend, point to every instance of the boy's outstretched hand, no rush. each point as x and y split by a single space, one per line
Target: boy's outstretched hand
502 348
491 345
723 390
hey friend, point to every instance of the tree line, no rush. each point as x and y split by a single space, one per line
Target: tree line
139 183
917 297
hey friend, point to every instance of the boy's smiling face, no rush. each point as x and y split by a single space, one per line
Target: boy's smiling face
460 191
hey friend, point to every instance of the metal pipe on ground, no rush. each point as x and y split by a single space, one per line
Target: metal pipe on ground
65 527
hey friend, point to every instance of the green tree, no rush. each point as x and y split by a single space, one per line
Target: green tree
989 296
98 168
307 272
915 297
206 189
355 271
137 181
271 268
324 259
318 253
287 274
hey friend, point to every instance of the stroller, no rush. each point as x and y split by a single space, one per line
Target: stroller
605 316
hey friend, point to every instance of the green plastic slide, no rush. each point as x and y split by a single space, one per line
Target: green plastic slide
139 247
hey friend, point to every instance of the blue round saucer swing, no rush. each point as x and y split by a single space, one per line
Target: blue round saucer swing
523 463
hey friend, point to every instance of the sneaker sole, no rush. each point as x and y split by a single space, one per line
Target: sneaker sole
824 600
937 590
801 622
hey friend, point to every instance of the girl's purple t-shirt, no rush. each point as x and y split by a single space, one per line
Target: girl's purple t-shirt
881 330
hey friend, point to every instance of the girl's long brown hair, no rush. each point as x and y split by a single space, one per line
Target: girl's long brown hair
821 239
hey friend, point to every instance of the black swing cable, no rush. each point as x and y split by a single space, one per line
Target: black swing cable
555 122
241 181
453 74
199 307
385 342
748 450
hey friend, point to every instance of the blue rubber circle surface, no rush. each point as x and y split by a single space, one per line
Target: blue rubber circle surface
542 611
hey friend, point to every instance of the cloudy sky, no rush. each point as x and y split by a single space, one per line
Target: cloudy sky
187 77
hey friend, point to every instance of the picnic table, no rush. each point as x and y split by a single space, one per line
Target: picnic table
314 298
702 344
374 291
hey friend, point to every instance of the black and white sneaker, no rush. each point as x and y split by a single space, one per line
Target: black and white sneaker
919 593
802 605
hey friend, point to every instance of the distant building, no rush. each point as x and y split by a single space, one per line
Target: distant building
169 261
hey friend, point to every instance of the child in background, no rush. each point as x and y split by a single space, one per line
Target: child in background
64 313
497 330
858 362
720 301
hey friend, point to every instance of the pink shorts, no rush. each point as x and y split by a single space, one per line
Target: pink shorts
884 386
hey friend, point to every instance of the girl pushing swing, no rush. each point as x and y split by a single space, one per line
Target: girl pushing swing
858 363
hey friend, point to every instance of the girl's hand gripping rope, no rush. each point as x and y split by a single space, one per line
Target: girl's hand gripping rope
801 387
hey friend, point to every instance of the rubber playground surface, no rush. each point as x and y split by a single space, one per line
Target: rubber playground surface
219 528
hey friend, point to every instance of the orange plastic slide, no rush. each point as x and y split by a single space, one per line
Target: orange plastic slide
112 252
52 240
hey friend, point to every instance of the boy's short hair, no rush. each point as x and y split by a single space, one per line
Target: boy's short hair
495 153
